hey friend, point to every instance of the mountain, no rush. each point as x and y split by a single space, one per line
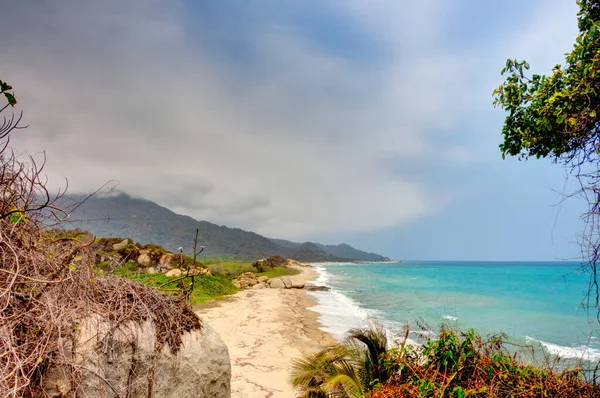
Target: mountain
342 250
146 222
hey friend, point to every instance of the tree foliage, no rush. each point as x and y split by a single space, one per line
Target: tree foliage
557 115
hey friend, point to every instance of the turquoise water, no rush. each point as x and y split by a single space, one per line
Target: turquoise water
537 303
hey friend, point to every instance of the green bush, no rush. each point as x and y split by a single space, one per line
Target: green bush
466 365
279 271
266 264
130 251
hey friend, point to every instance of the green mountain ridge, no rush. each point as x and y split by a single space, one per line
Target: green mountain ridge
147 222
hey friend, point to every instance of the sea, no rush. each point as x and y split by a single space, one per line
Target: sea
538 305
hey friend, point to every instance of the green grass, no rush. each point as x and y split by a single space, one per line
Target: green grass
231 269
206 287
279 271
127 269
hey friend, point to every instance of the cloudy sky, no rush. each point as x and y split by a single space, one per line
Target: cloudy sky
369 122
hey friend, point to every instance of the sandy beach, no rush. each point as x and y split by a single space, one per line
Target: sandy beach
264 331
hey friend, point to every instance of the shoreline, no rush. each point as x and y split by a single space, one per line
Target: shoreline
265 330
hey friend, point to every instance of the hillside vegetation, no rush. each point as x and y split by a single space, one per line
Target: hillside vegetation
171 273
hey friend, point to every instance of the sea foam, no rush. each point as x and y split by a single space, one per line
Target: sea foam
581 352
338 313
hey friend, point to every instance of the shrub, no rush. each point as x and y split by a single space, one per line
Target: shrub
265 264
467 365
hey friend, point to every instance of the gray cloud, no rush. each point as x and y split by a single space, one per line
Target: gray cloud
120 90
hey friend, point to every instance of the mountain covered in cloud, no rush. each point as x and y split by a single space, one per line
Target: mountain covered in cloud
147 222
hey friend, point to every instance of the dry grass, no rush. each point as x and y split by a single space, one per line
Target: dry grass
48 286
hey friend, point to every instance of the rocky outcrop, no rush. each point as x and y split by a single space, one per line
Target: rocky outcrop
249 280
123 362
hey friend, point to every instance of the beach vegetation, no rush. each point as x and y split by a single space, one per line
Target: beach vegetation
451 364
349 369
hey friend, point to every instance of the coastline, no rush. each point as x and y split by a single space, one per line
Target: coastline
265 330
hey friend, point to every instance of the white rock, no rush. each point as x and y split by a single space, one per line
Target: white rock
165 260
201 367
287 282
118 246
248 282
277 284
297 284
174 272
144 259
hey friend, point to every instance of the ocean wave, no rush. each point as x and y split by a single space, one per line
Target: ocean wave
582 352
450 318
338 313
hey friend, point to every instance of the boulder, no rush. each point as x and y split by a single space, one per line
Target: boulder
151 270
144 259
124 357
174 272
263 278
277 284
165 260
297 284
196 271
248 281
118 246
287 282
258 286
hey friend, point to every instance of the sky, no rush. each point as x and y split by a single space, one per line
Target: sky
365 122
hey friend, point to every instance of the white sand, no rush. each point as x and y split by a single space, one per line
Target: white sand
265 330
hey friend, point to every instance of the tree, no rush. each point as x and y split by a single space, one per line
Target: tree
558 117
